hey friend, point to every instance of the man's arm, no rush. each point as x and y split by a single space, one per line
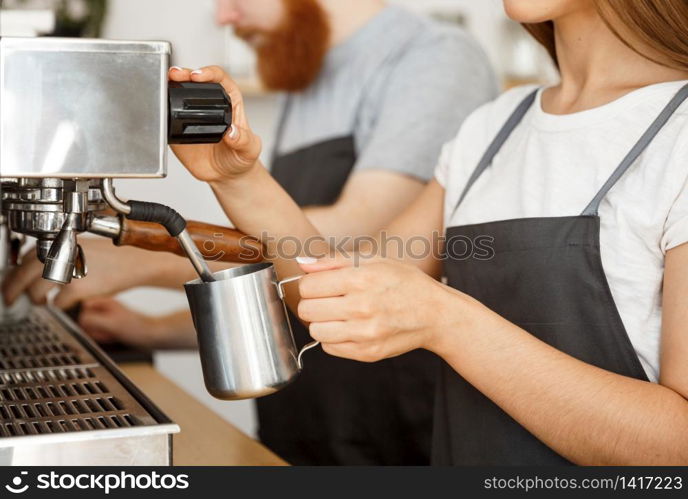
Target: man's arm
106 320
371 200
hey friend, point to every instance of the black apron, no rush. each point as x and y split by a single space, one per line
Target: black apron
338 411
546 277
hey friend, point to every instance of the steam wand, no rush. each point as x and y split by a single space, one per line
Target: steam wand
165 216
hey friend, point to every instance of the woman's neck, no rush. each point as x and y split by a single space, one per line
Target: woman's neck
596 67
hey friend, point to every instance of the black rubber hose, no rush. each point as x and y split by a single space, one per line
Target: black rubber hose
157 213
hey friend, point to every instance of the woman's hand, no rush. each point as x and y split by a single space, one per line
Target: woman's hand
239 150
377 310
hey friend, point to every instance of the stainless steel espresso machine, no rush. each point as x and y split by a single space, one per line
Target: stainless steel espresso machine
74 116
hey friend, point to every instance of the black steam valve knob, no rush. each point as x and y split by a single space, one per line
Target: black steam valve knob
199 113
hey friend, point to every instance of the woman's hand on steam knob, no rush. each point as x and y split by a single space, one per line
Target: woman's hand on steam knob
239 150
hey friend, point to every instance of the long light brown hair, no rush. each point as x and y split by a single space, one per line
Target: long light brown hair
660 28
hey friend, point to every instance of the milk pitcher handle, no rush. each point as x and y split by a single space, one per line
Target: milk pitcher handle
280 292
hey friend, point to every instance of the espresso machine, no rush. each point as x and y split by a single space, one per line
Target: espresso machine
75 116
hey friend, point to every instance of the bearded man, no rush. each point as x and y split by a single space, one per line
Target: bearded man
371 92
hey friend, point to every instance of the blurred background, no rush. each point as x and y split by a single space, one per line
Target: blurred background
198 41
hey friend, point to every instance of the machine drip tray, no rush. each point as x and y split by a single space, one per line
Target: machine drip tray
63 402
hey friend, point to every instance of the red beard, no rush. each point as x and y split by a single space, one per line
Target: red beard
291 57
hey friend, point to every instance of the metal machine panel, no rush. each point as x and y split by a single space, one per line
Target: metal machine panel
74 108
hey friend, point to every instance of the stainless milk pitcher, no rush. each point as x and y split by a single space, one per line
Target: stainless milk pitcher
245 339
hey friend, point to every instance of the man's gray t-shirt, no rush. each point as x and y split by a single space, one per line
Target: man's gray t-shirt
401 86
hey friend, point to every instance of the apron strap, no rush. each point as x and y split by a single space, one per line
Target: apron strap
281 126
642 144
503 135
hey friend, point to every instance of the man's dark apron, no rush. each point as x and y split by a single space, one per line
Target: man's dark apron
546 277
341 412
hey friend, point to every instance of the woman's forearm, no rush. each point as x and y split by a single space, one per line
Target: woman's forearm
260 207
589 415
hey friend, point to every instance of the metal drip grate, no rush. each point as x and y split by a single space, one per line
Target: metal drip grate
49 383
31 344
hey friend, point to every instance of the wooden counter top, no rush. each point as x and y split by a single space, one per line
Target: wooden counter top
205 439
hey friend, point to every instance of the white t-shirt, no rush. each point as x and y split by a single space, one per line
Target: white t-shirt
553 166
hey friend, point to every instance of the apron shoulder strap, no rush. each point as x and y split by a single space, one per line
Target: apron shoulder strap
593 208
494 147
281 126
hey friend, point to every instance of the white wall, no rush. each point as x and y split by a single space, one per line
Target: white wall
189 25
484 19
